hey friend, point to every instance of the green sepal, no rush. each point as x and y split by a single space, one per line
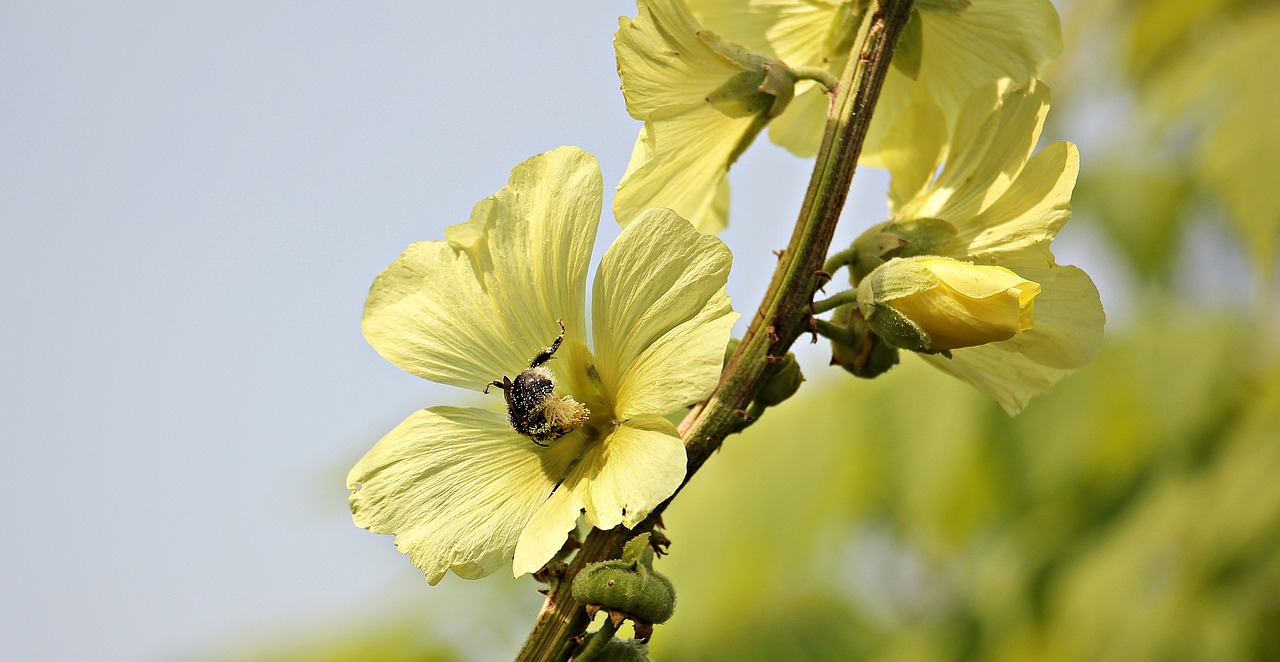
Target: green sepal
898 330
764 87
628 585
638 551
910 50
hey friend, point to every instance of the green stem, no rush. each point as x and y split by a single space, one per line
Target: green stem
835 301
783 314
834 332
840 259
824 78
599 641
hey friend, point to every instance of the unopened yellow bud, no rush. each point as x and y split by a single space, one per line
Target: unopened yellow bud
935 304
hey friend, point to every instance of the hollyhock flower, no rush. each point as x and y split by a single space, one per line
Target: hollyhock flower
578 429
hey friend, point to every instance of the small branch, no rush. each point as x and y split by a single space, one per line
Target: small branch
783 314
600 640
834 332
823 77
838 260
835 301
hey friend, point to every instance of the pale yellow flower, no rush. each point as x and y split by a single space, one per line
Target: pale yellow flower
459 487
950 48
1005 206
703 101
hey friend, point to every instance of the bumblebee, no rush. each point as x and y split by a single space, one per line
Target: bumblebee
533 409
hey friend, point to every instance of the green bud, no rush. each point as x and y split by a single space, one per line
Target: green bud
628 585
863 353
782 384
905 238
764 87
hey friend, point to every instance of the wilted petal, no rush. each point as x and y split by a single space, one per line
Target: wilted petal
663 62
795 32
960 51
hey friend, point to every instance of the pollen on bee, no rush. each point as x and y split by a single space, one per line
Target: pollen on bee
566 413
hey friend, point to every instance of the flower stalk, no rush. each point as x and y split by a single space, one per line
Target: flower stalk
783 315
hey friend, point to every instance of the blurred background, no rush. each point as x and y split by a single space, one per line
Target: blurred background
195 197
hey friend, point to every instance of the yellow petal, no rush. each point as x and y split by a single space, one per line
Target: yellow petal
660 317
682 162
636 468
479 306
456 487
663 62
620 480
795 32
1067 334
1030 212
911 150
988 41
547 531
994 136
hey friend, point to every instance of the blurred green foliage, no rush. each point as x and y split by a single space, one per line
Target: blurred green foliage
1134 515
1204 126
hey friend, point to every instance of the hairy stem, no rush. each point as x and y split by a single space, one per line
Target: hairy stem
835 301
783 314
595 648
819 74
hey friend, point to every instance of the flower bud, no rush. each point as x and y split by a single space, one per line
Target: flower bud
908 237
861 352
765 86
936 304
628 585
782 384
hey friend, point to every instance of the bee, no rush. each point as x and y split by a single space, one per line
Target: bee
533 409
